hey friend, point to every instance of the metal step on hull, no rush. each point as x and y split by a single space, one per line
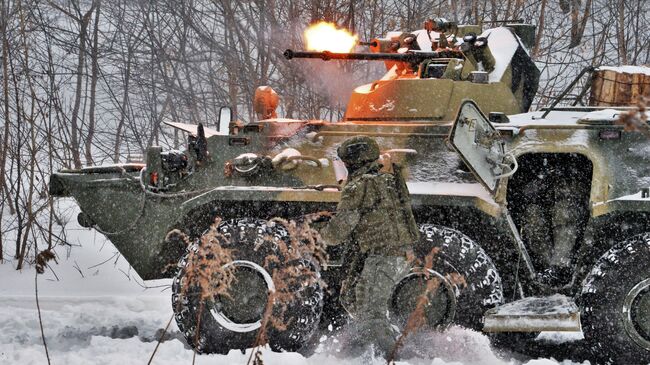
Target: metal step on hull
535 314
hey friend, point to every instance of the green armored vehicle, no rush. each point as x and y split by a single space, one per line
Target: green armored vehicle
531 221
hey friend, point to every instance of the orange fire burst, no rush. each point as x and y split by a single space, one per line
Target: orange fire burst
324 36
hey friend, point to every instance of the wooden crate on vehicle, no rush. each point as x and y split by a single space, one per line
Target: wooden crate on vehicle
620 86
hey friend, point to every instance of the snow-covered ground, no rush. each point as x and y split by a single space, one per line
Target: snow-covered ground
96 310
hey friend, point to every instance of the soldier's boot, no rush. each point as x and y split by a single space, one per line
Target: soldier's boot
370 325
377 334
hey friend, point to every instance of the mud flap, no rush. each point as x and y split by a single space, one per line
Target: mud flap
554 313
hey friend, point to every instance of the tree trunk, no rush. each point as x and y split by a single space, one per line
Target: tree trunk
493 10
75 142
29 204
93 88
620 33
4 192
124 107
540 29
17 145
583 22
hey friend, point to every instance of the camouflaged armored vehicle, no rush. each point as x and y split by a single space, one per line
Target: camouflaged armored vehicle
544 215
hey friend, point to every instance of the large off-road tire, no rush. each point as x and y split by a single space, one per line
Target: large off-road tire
233 321
615 303
469 282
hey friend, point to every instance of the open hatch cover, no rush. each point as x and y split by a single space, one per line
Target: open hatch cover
479 144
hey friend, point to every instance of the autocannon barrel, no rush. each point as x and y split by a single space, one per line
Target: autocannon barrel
410 56
371 43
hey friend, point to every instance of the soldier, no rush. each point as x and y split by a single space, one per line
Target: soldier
375 221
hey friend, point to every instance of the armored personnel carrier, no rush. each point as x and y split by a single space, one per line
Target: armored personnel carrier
543 215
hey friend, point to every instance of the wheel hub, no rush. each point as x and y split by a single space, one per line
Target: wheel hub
241 310
439 307
636 313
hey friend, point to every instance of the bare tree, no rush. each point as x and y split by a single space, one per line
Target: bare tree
82 20
93 86
620 32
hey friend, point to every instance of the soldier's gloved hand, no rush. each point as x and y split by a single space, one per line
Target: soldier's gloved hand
387 161
326 243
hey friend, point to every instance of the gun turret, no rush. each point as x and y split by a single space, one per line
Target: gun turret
412 57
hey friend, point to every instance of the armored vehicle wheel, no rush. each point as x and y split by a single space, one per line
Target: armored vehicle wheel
468 282
615 303
233 321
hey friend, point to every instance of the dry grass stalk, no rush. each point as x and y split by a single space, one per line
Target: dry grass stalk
306 238
205 270
160 339
304 243
43 258
256 355
205 264
636 120
417 318
38 305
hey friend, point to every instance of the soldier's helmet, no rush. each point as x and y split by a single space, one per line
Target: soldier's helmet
358 150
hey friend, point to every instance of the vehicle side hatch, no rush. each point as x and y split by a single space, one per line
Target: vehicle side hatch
480 146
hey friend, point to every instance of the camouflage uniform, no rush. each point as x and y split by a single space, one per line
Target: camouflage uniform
375 221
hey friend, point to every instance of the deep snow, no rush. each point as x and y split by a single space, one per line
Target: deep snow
103 314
